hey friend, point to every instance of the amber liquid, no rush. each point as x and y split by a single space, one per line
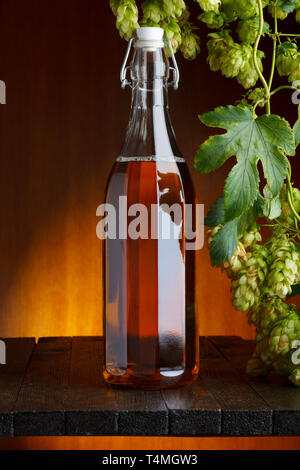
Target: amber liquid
149 293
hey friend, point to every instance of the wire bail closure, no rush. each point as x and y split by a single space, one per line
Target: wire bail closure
125 67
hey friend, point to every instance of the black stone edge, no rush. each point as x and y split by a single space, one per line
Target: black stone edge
151 423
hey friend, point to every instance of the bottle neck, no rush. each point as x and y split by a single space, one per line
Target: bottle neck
149 132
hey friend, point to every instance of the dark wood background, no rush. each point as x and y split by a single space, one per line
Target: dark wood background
60 131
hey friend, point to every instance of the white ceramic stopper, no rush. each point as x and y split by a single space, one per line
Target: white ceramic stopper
149 37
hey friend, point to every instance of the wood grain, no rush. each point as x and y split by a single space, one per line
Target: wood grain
59 390
18 354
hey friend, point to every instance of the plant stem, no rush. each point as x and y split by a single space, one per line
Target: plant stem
262 78
284 87
290 194
286 34
274 47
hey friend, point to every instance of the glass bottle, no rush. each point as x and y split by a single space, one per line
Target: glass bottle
150 324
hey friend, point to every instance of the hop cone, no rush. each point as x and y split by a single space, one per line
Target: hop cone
173 32
281 15
209 5
285 333
286 55
126 13
248 75
251 236
284 270
246 289
295 74
295 376
233 61
174 8
256 367
247 29
153 12
287 217
243 9
211 19
265 315
190 45
218 47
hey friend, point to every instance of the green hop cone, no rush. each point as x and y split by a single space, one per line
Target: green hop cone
266 314
209 5
295 376
246 288
284 334
247 29
286 56
218 47
127 14
153 12
190 45
295 74
174 8
284 269
281 15
212 19
287 217
233 61
173 32
251 237
243 9
248 75
256 367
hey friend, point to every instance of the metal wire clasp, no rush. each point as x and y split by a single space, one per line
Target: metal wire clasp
125 67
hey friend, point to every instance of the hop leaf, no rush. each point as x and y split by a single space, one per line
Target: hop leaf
250 139
287 6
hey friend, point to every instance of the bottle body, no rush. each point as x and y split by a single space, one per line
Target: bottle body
150 321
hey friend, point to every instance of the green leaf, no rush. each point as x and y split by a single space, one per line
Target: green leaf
266 138
271 205
287 5
224 243
216 214
295 291
297 132
241 188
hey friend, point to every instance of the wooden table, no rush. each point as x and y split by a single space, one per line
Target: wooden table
56 388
